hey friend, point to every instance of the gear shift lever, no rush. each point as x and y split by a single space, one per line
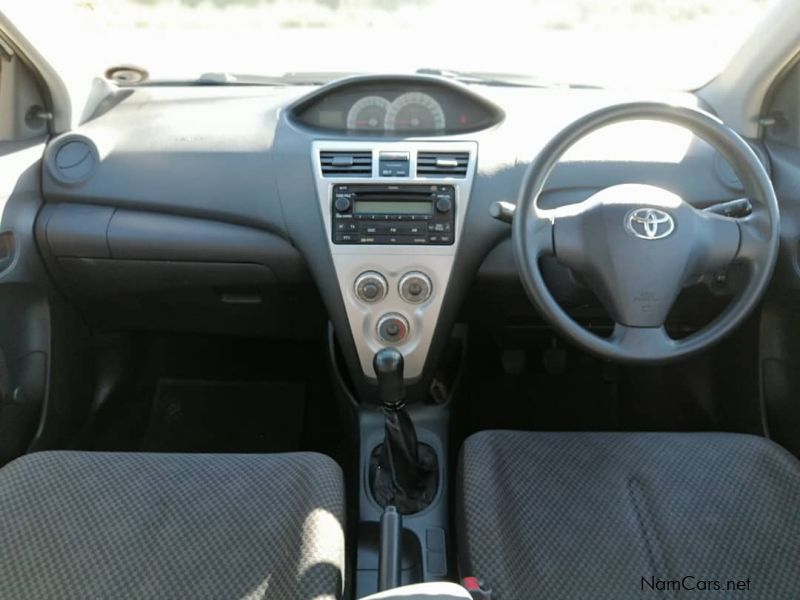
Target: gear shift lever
410 476
388 365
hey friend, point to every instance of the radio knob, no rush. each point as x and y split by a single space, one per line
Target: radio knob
371 287
415 287
444 204
393 328
342 204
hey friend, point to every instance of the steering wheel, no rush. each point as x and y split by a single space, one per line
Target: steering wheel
638 245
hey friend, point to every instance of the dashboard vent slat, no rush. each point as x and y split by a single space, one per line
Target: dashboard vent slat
442 164
346 164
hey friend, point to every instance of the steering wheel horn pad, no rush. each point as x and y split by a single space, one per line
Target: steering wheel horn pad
638 245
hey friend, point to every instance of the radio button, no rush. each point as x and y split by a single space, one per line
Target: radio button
342 203
371 287
343 238
444 204
415 287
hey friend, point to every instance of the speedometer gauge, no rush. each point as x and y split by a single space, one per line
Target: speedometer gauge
415 111
368 113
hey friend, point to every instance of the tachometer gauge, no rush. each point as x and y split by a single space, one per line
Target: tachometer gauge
368 113
415 111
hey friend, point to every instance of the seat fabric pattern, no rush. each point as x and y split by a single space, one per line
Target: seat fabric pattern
120 525
629 515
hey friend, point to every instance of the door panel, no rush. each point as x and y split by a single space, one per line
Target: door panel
24 322
44 385
780 318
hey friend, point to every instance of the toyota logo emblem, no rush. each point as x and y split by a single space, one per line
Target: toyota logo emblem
649 223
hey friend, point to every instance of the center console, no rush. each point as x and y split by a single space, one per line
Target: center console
393 213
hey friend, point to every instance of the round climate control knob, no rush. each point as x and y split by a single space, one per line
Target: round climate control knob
392 328
415 287
371 287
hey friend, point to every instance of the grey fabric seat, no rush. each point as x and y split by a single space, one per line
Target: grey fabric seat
107 525
628 515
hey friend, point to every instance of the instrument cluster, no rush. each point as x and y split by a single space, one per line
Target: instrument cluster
412 111
397 108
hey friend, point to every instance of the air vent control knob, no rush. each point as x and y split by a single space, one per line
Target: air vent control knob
415 287
371 287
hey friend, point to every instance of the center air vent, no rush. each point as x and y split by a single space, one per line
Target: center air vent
442 164
346 164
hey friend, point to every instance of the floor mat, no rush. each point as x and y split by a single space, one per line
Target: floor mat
581 393
207 416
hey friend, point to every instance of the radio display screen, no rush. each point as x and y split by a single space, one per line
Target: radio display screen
392 207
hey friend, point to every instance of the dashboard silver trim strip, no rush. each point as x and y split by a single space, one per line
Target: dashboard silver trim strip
394 261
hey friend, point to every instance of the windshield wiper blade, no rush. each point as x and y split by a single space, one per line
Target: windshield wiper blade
211 80
223 78
292 78
499 79
245 79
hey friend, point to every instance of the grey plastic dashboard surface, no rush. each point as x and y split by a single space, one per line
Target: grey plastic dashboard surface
228 155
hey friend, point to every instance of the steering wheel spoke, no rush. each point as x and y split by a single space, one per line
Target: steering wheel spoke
716 241
539 231
754 234
646 342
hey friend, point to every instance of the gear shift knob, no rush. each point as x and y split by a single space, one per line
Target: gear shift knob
388 365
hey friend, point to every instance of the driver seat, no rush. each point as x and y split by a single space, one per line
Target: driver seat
625 515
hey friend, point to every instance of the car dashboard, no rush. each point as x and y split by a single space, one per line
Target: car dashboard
221 207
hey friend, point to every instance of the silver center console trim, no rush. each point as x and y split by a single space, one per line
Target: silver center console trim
393 262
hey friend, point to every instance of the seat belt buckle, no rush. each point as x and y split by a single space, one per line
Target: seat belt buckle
475 588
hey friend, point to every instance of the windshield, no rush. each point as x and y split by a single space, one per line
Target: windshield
678 44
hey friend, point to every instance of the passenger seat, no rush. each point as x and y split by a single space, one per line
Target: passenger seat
136 525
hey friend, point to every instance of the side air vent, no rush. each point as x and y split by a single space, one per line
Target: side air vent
72 159
346 164
442 164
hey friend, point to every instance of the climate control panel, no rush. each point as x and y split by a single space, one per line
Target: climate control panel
408 291
414 287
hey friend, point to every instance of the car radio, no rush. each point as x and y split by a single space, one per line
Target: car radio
393 214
